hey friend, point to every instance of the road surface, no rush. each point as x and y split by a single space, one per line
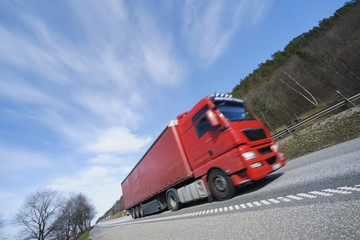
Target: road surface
316 196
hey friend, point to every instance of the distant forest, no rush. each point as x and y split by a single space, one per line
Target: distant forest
308 72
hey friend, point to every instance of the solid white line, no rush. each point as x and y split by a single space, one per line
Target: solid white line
283 199
350 188
306 195
321 193
265 202
336 191
273 200
294 197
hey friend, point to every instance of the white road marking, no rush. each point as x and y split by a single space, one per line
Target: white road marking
283 199
273 200
294 197
306 195
257 204
231 208
321 193
242 205
265 202
249 205
237 207
336 191
350 188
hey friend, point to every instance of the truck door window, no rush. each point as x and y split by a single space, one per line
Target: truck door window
203 126
199 113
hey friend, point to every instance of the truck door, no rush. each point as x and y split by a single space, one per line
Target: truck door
201 141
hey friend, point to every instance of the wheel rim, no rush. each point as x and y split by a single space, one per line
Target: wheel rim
220 183
172 201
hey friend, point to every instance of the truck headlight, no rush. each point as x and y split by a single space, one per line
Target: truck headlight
257 164
275 147
249 155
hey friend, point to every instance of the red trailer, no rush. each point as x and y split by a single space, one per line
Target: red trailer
207 151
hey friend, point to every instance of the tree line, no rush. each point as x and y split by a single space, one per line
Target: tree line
309 71
46 214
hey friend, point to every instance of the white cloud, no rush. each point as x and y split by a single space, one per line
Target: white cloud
15 159
118 140
208 27
106 159
101 184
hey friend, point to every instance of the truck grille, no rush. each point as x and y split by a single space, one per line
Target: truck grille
265 150
271 160
254 134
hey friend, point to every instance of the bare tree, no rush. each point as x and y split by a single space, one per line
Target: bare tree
38 214
2 233
75 216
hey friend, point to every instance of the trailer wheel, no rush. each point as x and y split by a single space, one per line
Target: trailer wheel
220 185
137 212
172 199
141 211
132 212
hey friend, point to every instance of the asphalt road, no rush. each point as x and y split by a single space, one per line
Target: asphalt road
316 196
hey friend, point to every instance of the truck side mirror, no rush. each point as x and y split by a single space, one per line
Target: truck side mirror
214 121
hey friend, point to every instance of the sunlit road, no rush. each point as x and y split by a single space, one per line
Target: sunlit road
313 197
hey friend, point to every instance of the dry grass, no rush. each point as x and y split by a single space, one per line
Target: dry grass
331 131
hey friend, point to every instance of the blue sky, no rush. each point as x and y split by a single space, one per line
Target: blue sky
85 86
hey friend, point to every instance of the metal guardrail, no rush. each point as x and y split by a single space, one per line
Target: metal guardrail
316 115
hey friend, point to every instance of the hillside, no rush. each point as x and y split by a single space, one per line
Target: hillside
308 72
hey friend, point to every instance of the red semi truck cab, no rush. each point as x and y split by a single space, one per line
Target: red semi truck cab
220 133
216 146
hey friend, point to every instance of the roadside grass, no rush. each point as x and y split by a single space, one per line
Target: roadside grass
324 133
85 236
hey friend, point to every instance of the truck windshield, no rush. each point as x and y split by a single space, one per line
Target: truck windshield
236 113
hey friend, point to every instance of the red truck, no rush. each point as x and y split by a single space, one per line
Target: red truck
206 152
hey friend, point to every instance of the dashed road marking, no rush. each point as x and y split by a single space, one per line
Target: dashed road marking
306 195
294 197
283 199
257 204
350 188
321 193
265 202
273 200
336 191
289 198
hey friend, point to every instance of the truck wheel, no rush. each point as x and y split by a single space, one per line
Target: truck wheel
220 185
173 200
141 211
137 212
132 212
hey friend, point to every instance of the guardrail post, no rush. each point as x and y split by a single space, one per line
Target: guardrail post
289 131
346 98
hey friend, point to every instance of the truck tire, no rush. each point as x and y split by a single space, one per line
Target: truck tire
131 211
137 212
142 212
172 200
220 185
